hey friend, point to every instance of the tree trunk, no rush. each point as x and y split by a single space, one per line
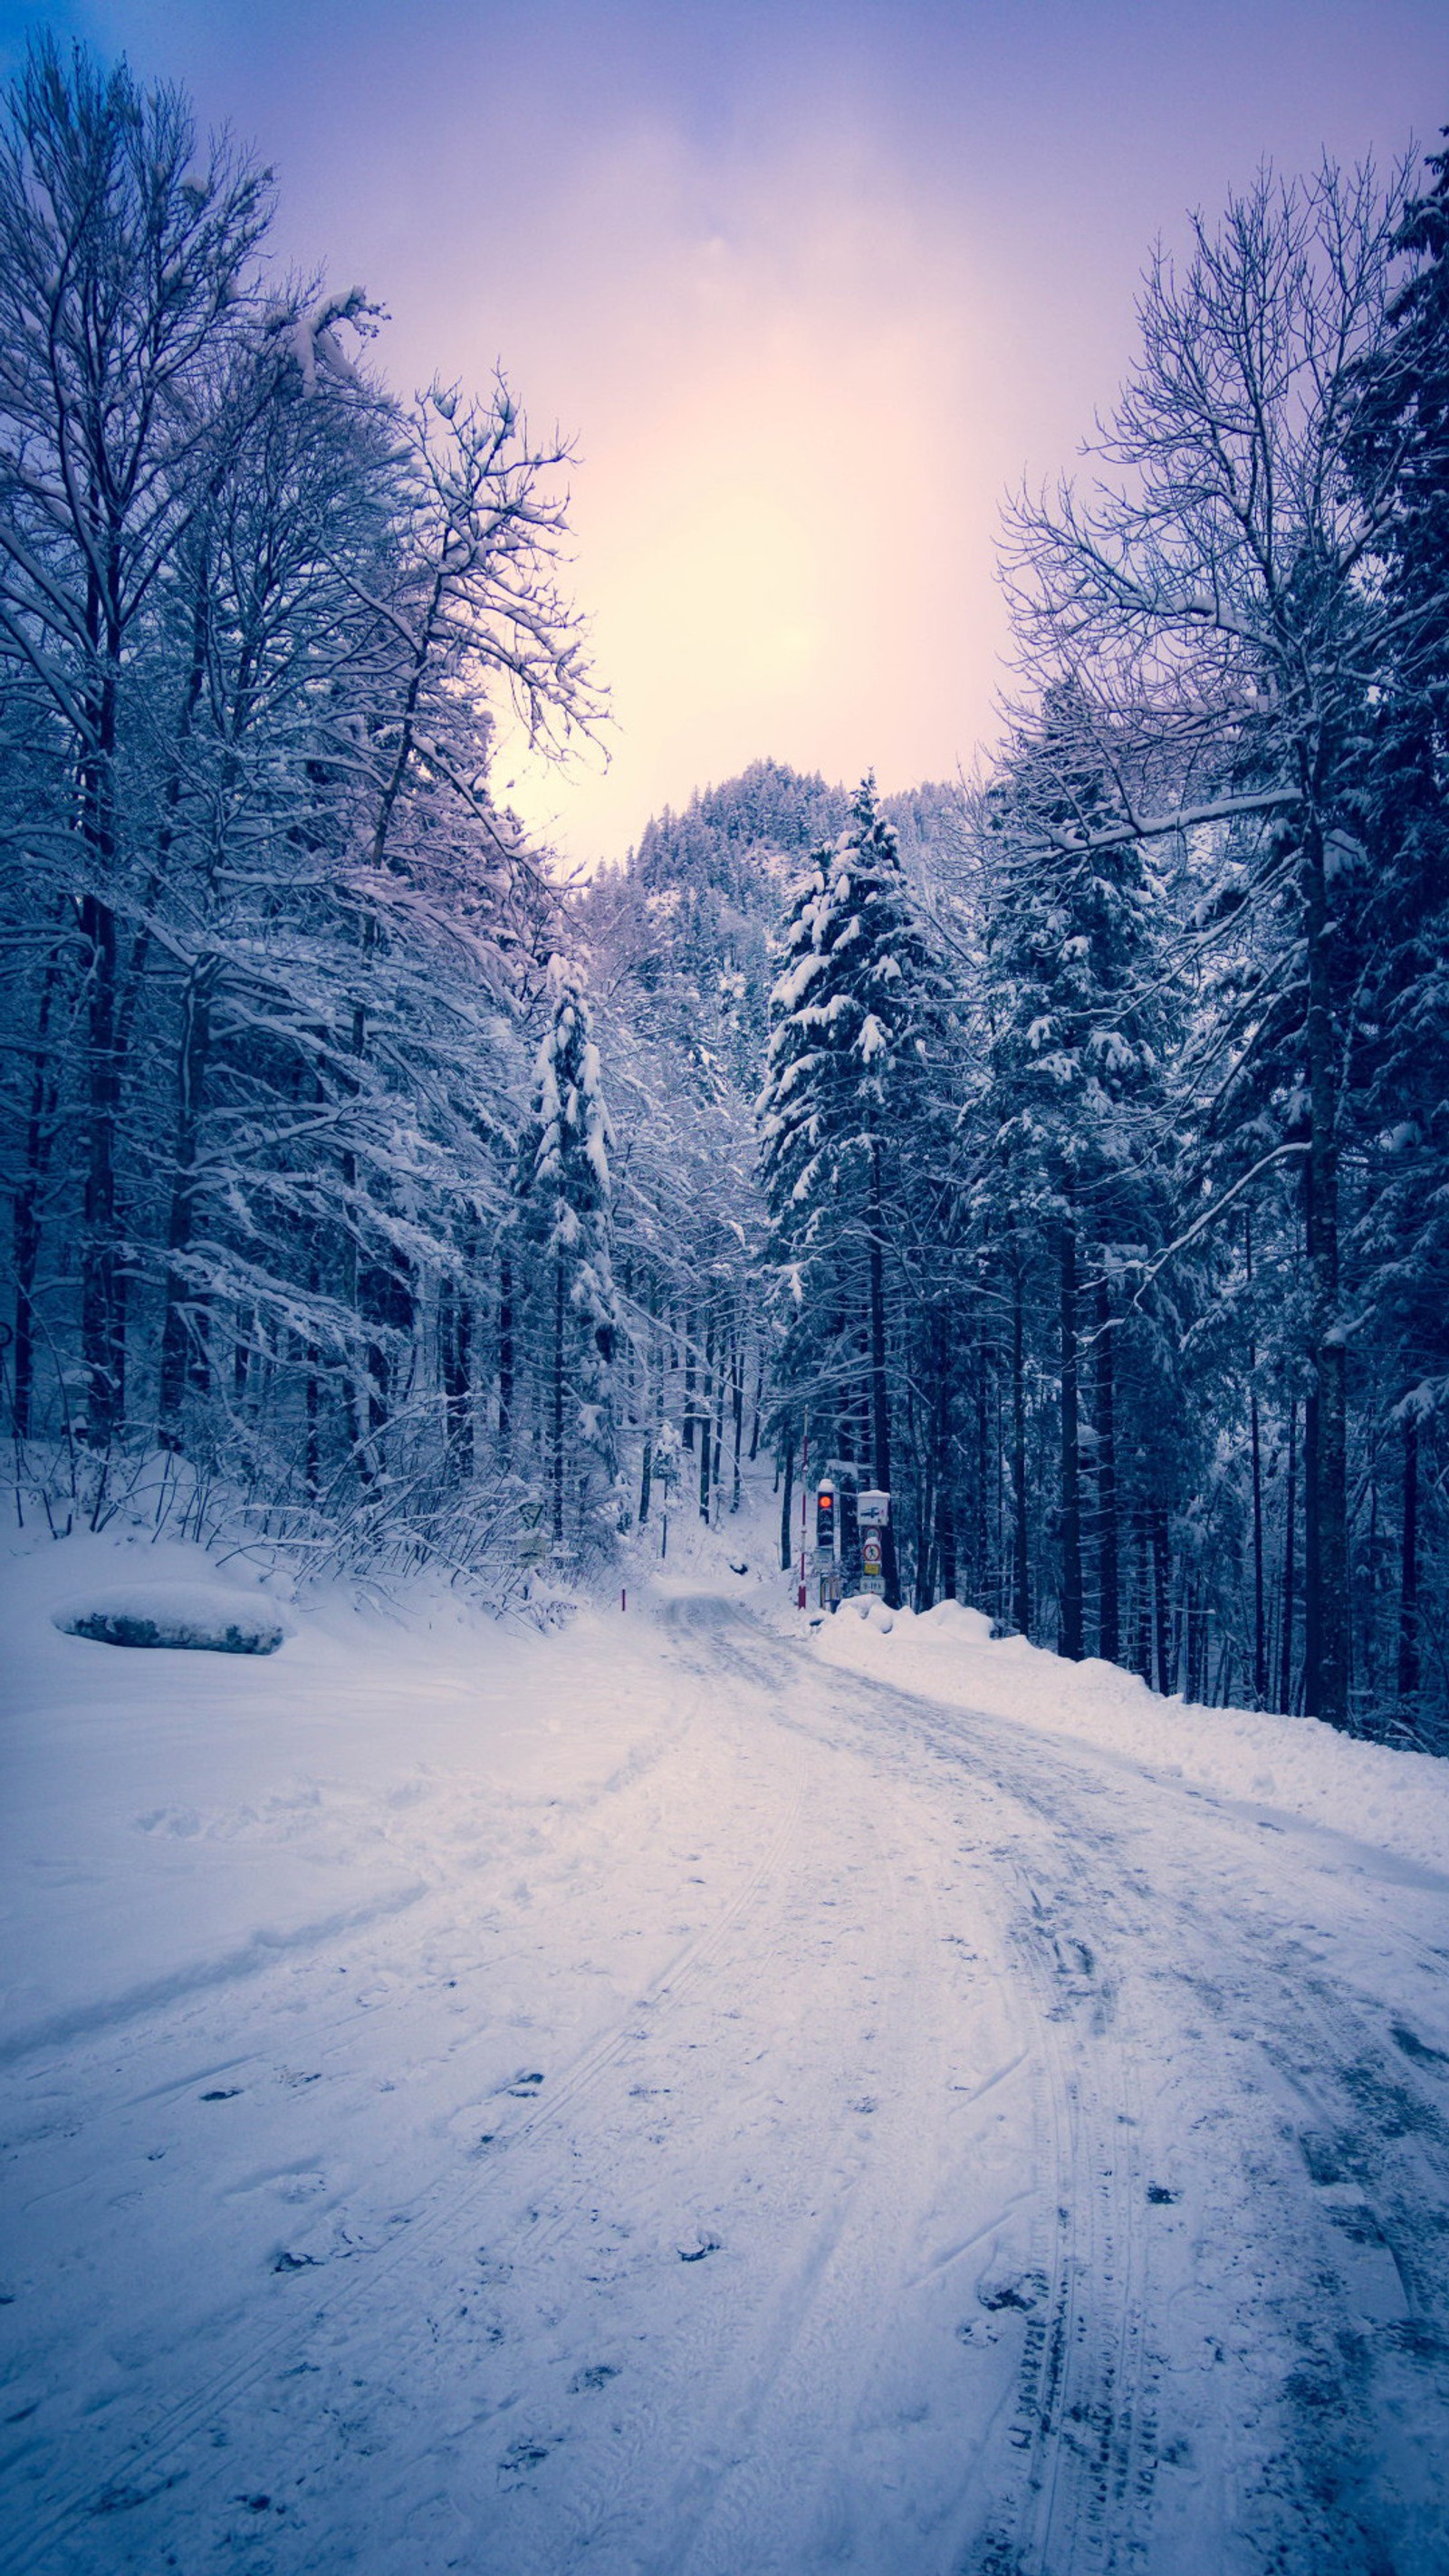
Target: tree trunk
103 1321
1290 1571
981 1584
312 1390
1312 1648
1069 1636
178 1325
879 1393
1408 1672
1020 1593
787 1536
1326 1482
26 1223
505 1360
717 1460
103 1339
706 1408
1108 1578
947 1570
1260 1630
1161 1587
455 1334
558 1401
1142 1619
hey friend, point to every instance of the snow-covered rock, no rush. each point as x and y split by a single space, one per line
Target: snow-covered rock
198 1617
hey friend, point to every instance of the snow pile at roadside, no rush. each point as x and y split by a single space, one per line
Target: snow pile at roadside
174 1820
189 1617
1396 1801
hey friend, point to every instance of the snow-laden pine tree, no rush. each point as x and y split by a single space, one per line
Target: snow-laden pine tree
1403 429
564 1191
1075 1109
844 1116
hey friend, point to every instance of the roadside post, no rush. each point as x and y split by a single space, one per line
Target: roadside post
872 1513
666 1476
802 1595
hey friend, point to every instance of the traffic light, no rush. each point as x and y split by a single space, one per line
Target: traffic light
827 1526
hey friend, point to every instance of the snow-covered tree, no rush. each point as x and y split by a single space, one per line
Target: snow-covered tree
271 941
1075 1111
1216 588
847 1101
124 282
1402 433
564 1193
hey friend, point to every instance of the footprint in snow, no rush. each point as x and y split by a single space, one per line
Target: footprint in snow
524 2456
697 2248
1416 2048
1025 2293
975 2330
597 2375
524 2086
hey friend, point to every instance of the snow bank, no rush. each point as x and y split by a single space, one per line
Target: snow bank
1395 1801
172 1822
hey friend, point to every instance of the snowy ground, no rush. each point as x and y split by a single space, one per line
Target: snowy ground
685 2095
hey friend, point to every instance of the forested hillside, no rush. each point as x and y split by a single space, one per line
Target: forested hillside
1066 1151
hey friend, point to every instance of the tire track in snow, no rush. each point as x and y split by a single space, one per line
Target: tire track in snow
156 2463
1313 2499
1085 2415
1075 2498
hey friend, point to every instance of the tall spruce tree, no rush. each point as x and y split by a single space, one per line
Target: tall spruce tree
845 1100
564 1193
1074 1111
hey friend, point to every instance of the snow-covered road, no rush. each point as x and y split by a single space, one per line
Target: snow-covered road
769 2122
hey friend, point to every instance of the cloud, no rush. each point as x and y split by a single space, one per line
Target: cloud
788 489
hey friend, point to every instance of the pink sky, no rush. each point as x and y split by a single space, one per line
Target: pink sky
810 287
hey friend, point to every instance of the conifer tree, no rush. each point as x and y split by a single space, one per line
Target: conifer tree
1075 1104
564 1193
841 1114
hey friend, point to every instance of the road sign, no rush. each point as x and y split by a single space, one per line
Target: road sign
872 1508
872 1575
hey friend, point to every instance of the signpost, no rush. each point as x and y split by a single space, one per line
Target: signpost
872 1513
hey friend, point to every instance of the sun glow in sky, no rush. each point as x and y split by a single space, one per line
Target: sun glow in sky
809 286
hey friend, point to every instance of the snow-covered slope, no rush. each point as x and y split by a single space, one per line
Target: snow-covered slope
659 2099
1394 1801
175 1820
